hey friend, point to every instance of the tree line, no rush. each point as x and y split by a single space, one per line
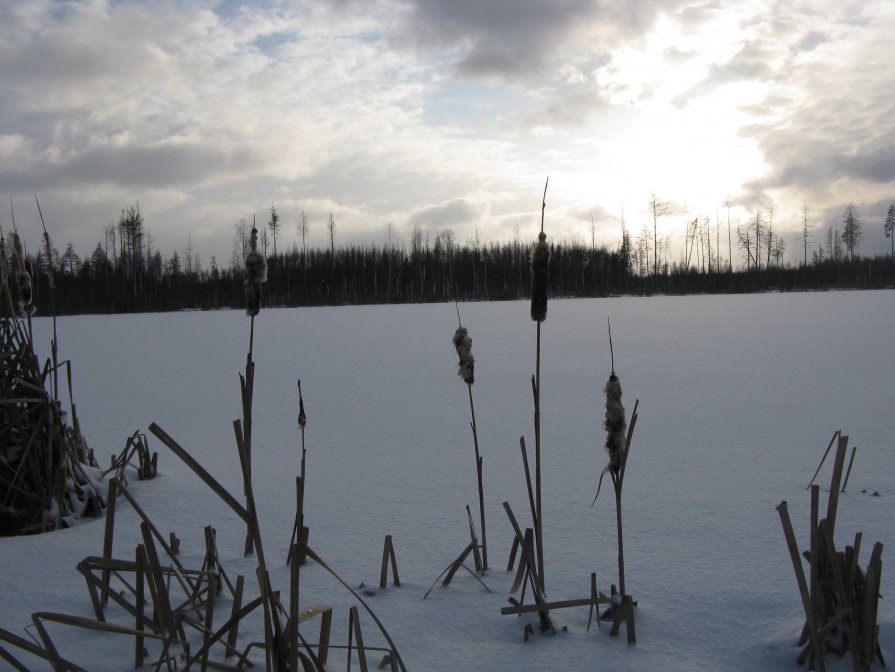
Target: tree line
126 272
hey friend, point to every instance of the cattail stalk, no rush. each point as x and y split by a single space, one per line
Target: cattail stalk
618 442
256 275
540 263
463 345
48 247
297 551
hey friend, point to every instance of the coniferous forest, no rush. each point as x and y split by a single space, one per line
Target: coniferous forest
125 273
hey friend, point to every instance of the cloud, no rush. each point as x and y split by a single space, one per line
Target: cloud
813 40
751 63
523 41
458 213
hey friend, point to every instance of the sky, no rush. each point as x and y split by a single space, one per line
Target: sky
392 114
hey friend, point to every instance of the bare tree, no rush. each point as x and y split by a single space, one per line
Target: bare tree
757 227
331 229
770 230
188 255
729 239
274 225
111 232
240 244
779 249
416 256
745 241
265 241
851 233
71 260
304 228
889 227
658 209
805 231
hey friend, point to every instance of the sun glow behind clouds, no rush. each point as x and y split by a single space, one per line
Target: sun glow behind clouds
663 132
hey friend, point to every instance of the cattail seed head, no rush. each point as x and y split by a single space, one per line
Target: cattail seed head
256 273
463 344
302 418
25 292
540 262
614 424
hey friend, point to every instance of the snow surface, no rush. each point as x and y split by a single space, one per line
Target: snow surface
739 396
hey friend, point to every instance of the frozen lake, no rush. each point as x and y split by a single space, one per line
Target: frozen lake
739 397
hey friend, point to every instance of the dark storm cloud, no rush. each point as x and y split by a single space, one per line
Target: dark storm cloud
139 167
522 40
841 136
453 213
156 166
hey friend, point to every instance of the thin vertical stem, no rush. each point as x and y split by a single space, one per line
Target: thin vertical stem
251 337
616 481
478 469
539 527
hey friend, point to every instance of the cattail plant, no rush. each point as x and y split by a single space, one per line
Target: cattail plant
540 280
466 365
256 274
618 441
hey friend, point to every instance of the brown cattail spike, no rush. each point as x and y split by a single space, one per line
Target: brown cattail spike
302 418
614 424
540 262
256 273
463 344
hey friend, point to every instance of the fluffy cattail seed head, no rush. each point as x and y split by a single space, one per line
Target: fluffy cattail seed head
25 292
463 344
540 262
256 273
614 423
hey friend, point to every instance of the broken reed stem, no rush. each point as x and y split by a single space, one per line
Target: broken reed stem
254 531
478 470
617 483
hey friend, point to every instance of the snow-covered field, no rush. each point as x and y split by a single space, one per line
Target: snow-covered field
739 396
